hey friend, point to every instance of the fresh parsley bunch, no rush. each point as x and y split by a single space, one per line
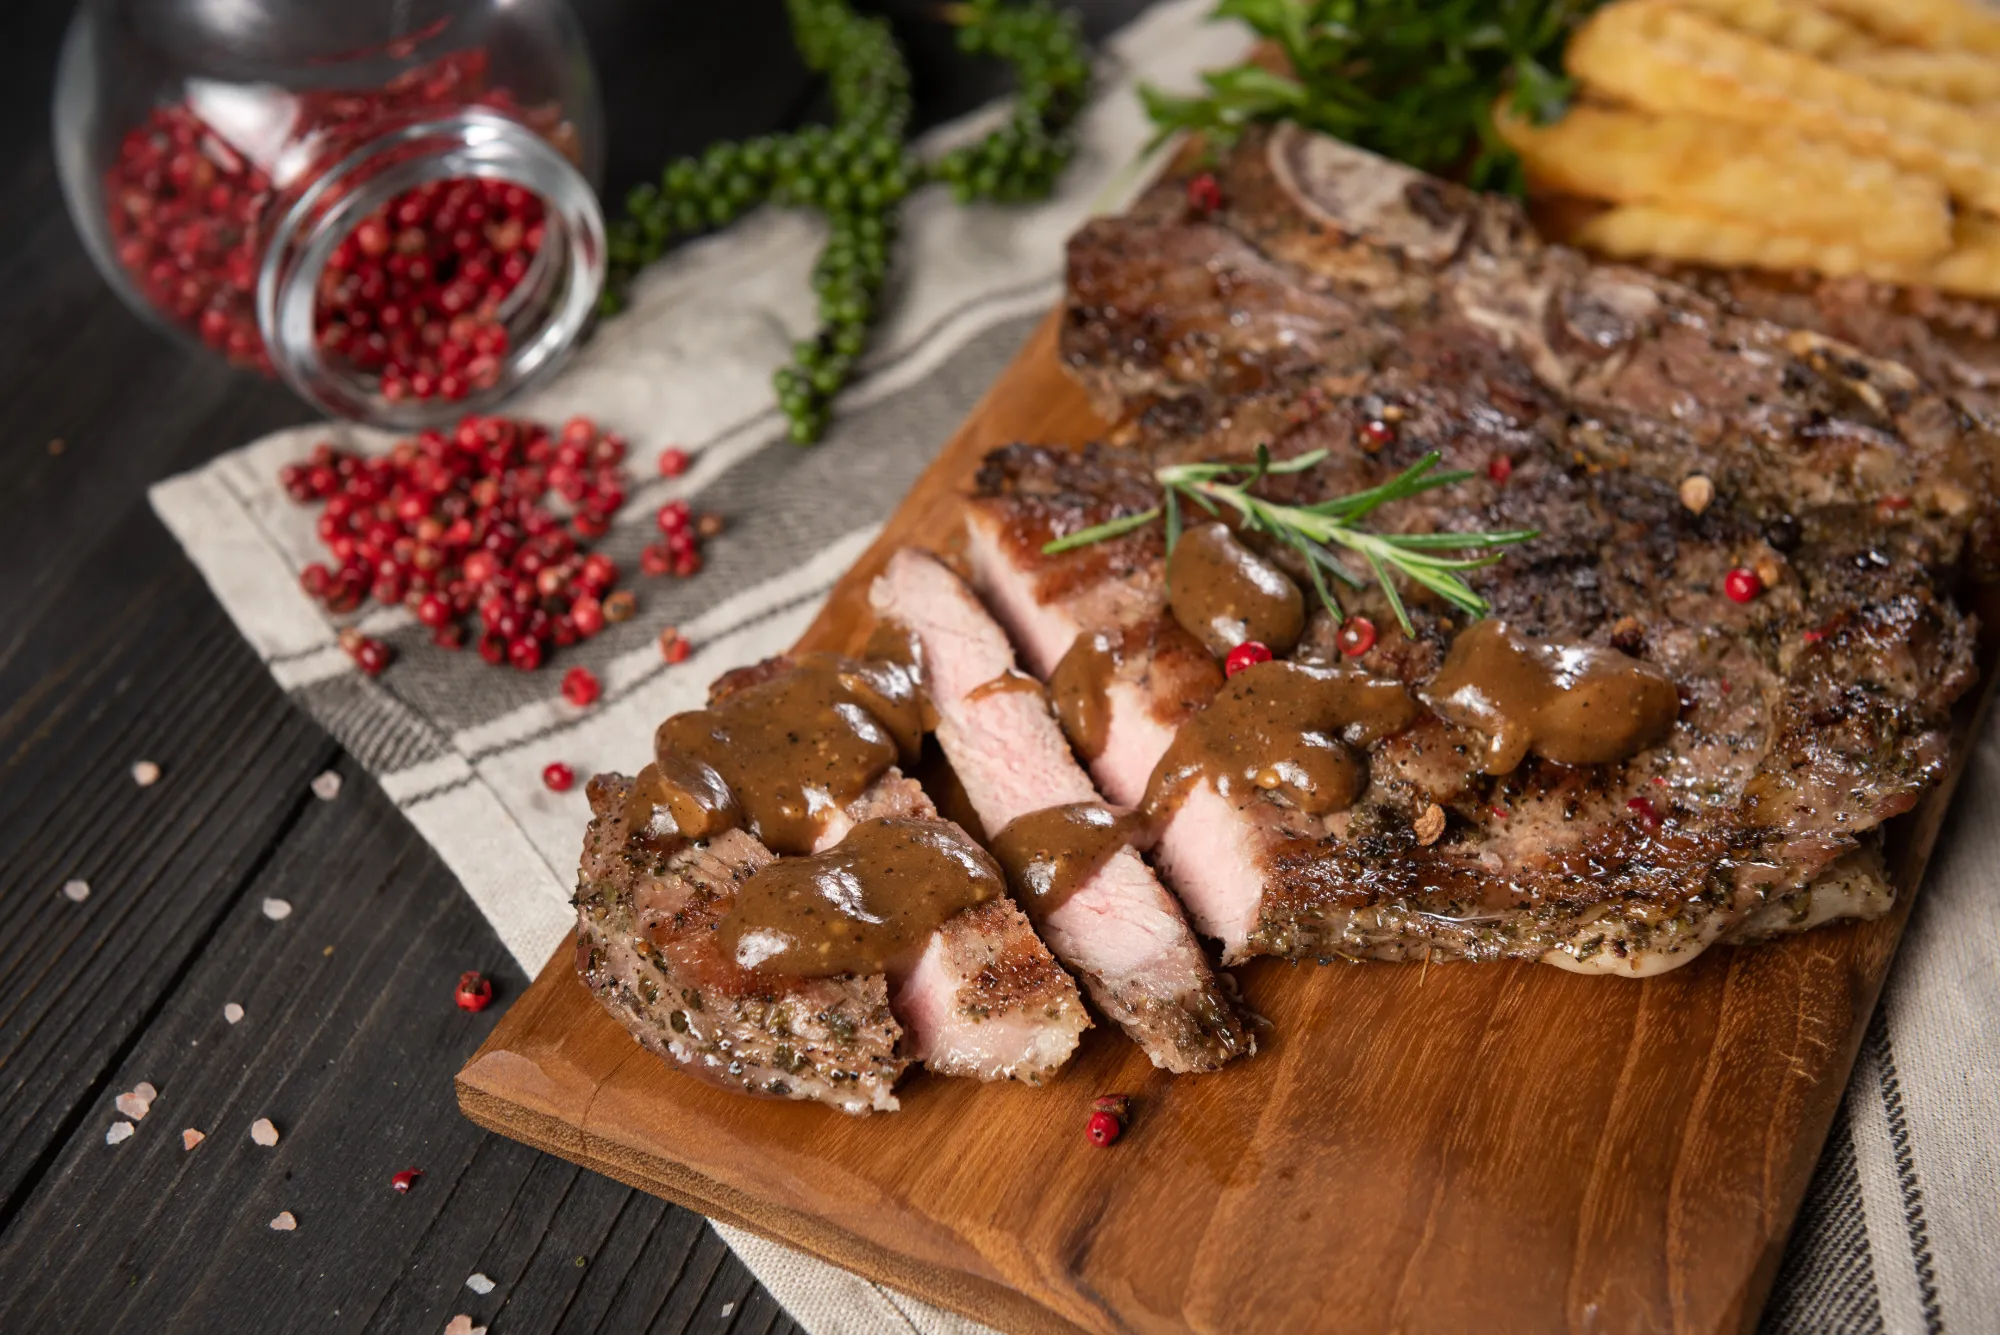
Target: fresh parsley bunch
1414 80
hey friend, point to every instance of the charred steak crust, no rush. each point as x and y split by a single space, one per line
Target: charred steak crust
1809 715
1018 977
646 917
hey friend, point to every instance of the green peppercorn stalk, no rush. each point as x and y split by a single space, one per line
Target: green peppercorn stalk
857 171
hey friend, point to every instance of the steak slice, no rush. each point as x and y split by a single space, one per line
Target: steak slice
1120 930
1580 396
984 999
646 913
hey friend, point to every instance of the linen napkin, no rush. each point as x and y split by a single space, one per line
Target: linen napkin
1901 1231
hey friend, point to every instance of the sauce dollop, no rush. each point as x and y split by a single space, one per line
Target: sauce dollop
679 795
1013 680
1224 593
866 905
1575 704
1079 687
1049 854
1289 729
798 746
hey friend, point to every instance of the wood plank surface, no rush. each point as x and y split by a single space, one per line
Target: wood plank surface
1506 1147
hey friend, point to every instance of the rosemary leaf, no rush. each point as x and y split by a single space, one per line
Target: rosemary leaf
1389 588
1114 528
1310 530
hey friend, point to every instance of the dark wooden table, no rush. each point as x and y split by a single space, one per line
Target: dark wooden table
112 651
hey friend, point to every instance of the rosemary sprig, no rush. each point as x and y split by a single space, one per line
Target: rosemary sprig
1312 530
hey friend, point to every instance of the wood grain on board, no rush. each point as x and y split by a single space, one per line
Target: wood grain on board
1507 1147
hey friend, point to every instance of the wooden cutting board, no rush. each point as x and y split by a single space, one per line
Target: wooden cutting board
1493 1147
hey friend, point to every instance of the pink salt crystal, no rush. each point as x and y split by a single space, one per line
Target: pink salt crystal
284 1223
191 1138
458 1325
277 910
326 786
119 1131
76 891
232 1012
263 1132
133 1106
144 1089
145 774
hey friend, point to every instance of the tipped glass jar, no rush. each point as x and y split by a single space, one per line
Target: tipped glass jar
386 203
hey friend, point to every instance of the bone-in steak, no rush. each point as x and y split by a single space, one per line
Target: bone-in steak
1335 291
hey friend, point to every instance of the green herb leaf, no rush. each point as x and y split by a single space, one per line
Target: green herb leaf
1415 80
1115 528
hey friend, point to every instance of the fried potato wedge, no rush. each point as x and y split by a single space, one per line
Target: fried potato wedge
1669 60
1792 24
1775 178
1941 25
1972 269
1952 76
1640 231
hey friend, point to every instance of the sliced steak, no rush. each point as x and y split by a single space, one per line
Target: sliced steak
1336 290
646 915
983 999
1119 930
1158 673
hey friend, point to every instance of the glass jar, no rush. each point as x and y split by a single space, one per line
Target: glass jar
386 203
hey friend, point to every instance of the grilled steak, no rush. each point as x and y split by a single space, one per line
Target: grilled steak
1121 932
1337 290
644 918
983 998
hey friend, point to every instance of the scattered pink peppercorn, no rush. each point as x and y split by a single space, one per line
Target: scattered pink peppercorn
1742 584
674 646
452 523
1244 655
406 1179
1643 811
1377 434
371 655
474 990
1500 467
580 686
1204 193
558 777
1357 636
1103 1129
673 461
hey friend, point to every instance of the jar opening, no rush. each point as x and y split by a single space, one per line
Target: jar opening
507 242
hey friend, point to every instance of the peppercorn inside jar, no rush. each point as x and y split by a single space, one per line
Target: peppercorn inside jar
387 205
